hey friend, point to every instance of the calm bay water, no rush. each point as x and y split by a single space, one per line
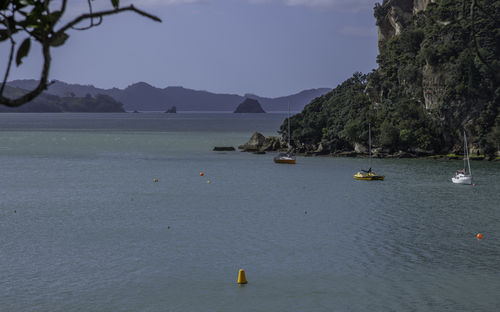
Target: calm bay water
84 227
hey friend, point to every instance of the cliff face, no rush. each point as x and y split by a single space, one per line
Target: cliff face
443 55
393 18
438 74
396 14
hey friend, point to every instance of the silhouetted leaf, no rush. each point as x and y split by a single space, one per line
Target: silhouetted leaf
3 34
4 4
115 3
23 51
58 40
54 16
26 2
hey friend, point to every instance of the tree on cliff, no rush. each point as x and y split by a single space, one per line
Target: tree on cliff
37 20
439 72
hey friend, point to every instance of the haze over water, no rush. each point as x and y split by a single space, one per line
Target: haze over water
83 225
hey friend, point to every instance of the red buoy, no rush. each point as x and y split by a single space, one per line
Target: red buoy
201 174
479 236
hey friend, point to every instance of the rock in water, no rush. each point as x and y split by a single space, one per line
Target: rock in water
259 143
172 110
223 149
249 106
255 143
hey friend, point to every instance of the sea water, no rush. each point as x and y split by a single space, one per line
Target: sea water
85 227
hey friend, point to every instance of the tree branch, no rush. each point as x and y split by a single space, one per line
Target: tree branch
46 38
90 26
91 19
63 6
42 85
11 54
105 13
7 71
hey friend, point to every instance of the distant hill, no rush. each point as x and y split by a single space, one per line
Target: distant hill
52 103
144 97
249 106
297 101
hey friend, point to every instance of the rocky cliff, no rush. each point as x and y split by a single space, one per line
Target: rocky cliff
438 74
395 15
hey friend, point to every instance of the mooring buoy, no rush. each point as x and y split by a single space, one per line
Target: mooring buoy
241 277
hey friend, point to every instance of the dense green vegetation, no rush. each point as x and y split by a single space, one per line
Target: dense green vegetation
53 103
439 76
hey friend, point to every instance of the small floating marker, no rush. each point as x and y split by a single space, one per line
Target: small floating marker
168 227
155 180
305 212
241 277
479 236
14 211
474 184
209 181
201 174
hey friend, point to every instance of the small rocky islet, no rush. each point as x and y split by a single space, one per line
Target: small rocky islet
249 106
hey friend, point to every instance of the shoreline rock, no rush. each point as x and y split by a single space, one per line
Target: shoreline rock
259 144
223 149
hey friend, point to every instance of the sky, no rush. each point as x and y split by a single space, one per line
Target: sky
265 47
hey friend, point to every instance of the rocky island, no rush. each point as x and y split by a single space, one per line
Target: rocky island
172 110
249 106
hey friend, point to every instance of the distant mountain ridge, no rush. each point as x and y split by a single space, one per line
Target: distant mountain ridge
45 102
144 97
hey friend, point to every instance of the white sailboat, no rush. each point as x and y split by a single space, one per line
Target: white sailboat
462 176
288 157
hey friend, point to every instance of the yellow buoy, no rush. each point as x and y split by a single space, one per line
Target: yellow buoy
209 181
241 277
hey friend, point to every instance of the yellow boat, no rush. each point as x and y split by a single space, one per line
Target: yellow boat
368 176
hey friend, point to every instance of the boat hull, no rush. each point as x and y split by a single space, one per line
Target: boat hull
368 176
462 179
284 161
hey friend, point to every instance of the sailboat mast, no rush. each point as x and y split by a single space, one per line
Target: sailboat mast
370 142
466 149
289 147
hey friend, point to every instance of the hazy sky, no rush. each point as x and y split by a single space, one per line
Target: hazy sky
266 47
